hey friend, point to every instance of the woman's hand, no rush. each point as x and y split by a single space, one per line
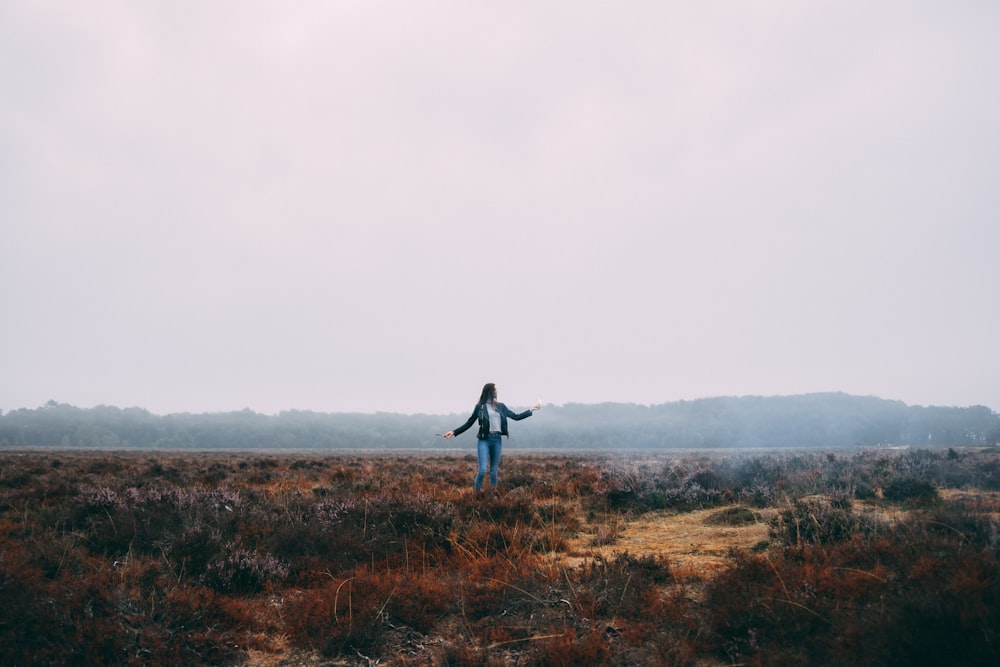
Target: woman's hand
449 435
536 406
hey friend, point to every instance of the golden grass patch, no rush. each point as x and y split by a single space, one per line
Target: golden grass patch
689 540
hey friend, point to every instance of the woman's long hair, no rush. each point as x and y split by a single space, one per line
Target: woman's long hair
489 394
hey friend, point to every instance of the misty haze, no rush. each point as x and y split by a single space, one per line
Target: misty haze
257 261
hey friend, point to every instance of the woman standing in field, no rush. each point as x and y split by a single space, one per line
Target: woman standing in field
492 416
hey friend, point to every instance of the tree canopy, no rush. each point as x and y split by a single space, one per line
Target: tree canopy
807 420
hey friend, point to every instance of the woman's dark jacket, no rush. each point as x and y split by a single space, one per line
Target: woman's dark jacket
479 412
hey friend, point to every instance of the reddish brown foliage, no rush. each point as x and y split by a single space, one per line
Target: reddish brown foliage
163 559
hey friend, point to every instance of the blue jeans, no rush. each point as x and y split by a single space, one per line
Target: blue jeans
489 453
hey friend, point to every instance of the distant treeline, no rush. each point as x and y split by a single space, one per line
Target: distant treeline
809 420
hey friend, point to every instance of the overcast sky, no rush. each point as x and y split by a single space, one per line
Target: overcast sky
380 206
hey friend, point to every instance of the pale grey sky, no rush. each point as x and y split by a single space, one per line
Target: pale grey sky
379 206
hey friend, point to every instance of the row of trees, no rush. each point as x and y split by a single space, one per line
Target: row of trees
809 420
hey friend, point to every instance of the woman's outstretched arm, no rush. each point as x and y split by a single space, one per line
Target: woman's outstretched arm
464 427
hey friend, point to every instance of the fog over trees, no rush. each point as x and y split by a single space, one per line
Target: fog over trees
810 420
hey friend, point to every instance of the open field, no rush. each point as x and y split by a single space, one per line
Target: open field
868 557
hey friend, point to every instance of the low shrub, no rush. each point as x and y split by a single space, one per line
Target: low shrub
353 613
240 571
734 516
625 586
196 558
910 490
918 592
819 522
568 649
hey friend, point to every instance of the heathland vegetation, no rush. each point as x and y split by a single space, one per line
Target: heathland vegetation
862 557
811 420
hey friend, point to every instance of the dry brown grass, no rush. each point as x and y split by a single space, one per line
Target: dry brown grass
689 541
